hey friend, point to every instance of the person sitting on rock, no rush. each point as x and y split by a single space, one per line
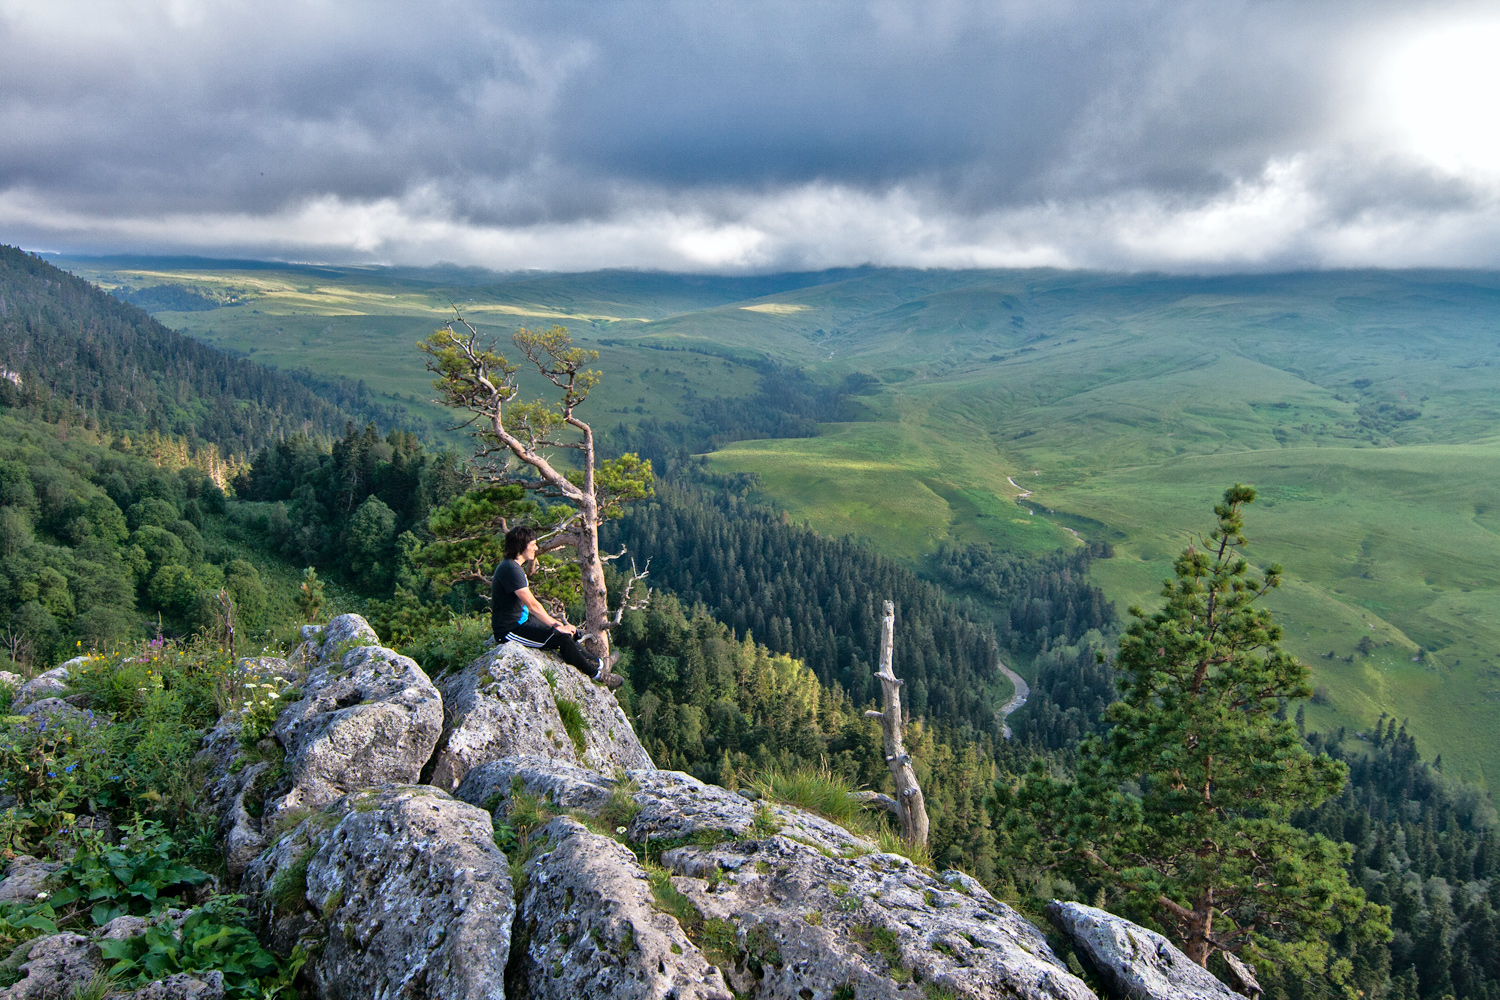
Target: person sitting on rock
517 616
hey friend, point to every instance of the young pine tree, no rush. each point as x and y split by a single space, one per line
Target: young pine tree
1184 804
310 595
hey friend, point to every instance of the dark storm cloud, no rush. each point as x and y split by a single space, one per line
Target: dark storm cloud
693 134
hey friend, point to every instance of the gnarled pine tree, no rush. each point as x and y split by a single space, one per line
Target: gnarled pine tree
1184 804
473 376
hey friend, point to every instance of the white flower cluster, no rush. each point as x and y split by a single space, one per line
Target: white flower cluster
261 695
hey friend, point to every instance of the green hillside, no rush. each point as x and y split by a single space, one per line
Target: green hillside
1364 404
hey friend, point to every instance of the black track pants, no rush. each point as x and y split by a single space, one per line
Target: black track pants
539 636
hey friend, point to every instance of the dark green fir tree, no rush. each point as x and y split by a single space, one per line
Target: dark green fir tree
1183 806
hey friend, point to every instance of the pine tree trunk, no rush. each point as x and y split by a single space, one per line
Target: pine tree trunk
595 596
1199 943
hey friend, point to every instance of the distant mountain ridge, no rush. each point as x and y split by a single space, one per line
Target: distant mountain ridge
64 340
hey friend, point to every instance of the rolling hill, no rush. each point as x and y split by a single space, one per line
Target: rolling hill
1024 407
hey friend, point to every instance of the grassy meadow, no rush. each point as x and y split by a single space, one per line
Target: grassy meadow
1365 406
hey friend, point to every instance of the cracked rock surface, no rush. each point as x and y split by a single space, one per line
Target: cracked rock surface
592 927
507 704
405 889
566 786
787 922
1136 962
227 781
371 718
672 805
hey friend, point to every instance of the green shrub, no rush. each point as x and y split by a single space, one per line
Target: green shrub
56 768
212 937
289 888
139 876
142 875
449 646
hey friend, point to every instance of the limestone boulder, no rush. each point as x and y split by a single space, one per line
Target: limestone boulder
328 643
55 711
676 805
593 927
11 680
512 702
51 684
565 786
667 805
784 920
405 889
1136 962
181 986
368 719
234 784
25 877
53 966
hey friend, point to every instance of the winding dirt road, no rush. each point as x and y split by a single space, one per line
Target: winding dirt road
1023 691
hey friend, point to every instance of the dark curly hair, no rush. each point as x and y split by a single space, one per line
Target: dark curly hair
516 540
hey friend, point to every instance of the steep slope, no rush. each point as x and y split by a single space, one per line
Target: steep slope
64 342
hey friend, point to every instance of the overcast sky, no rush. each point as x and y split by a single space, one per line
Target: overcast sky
1133 134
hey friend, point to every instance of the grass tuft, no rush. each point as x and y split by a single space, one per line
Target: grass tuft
573 721
816 789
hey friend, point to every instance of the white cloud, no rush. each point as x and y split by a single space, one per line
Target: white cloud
770 135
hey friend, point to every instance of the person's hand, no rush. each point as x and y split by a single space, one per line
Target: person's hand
565 628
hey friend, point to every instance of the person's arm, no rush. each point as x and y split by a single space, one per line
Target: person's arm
533 605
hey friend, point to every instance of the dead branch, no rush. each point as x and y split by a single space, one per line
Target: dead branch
626 604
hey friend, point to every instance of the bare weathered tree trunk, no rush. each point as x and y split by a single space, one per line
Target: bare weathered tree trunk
911 807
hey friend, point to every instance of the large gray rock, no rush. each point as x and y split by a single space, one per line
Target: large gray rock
54 966
230 779
405 887
55 711
676 805
11 680
371 718
181 986
566 786
26 877
506 704
1136 962
670 805
51 684
785 920
592 927
327 643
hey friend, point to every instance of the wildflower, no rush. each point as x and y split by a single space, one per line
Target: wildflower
620 830
69 767
43 895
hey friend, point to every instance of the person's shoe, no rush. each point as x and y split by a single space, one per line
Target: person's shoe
611 681
612 659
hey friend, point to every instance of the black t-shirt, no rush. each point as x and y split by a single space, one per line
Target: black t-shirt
506 608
